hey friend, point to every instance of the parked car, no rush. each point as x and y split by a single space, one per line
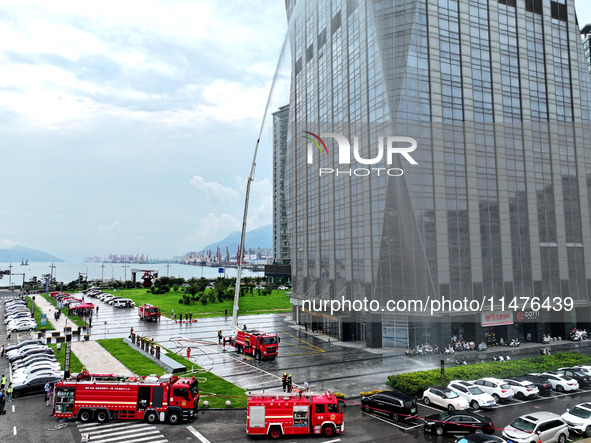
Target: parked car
23 363
560 383
543 385
33 385
444 397
523 389
578 419
584 369
114 299
22 377
475 396
458 422
394 404
544 427
480 438
123 303
21 325
24 343
29 352
499 389
584 380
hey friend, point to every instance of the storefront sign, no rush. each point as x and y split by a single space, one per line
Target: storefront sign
524 316
496 318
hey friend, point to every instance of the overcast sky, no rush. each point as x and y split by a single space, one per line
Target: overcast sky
129 126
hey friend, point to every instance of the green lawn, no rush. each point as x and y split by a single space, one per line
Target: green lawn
277 301
75 364
136 362
214 389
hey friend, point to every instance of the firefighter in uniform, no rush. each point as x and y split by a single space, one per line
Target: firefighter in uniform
284 380
219 336
289 384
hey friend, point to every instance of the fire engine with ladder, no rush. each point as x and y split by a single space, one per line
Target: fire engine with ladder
260 344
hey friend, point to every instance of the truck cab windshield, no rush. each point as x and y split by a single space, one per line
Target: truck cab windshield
270 340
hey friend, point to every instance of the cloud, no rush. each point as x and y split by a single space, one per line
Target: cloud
6 244
213 227
216 189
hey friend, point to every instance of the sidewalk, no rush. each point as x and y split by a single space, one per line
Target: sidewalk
97 360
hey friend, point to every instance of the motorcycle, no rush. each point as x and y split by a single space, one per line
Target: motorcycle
514 343
545 351
482 346
546 339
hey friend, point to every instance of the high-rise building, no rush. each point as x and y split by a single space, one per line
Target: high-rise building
280 234
438 177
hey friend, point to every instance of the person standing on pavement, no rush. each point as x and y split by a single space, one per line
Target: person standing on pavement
46 389
190 316
9 391
219 336
49 395
284 381
3 383
289 383
2 401
3 350
188 353
8 336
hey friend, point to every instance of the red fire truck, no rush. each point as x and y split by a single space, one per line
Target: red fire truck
277 414
149 312
152 399
252 342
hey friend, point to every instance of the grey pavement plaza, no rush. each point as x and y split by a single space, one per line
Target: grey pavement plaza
323 363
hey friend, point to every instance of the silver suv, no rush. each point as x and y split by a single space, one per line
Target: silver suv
544 427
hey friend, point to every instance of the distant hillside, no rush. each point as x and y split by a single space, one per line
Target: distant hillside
257 238
18 253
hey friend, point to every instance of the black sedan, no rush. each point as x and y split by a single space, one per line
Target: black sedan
34 386
458 422
583 379
543 385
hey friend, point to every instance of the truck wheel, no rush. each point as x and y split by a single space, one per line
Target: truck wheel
85 416
328 431
102 416
257 355
151 417
174 417
275 432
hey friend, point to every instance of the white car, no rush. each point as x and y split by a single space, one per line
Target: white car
21 325
495 387
475 396
523 389
578 419
36 365
33 359
23 350
560 383
23 374
444 397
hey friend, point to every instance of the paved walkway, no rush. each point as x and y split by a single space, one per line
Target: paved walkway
96 359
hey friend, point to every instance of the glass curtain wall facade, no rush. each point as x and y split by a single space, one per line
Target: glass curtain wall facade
280 234
497 96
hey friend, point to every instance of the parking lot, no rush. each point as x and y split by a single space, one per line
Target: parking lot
324 364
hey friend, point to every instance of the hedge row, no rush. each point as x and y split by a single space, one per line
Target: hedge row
415 383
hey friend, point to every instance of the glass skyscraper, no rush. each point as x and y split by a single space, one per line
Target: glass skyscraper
438 151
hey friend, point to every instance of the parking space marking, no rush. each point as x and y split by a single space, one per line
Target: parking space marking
305 342
391 422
